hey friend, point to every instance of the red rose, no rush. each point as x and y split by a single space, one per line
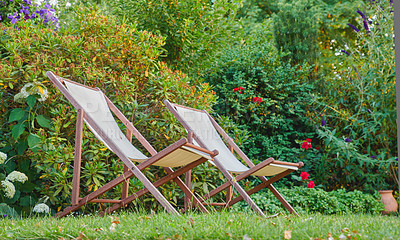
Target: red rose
241 88
259 100
311 184
317 148
236 89
309 140
255 99
304 176
306 145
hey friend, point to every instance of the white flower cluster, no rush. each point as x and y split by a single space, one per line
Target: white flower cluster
41 208
9 188
16 176
3 157
31 89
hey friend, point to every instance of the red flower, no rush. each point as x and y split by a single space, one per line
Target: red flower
257 100
241 88
317 148
306 145
309 140
311 184
304 175
236 89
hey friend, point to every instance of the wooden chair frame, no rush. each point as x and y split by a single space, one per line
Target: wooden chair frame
233 181
130 169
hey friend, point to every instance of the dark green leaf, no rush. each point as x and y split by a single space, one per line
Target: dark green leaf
43 121
10 166
21 147
27 187
31 100
27 201
17 130
33 142
16 115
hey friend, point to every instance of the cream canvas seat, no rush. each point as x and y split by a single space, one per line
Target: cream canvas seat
207 134
96 110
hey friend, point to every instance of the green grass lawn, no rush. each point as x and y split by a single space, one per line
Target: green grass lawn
225 225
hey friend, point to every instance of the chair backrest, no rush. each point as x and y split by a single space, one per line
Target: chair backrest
94 104
199 122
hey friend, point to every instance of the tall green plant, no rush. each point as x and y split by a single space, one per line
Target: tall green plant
195 30
358 108
296 27
263 96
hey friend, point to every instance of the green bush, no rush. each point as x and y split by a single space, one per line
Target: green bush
264 97
296 28
38 127
195 31
358 106
315 200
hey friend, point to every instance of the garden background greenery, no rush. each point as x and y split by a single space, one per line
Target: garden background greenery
302 80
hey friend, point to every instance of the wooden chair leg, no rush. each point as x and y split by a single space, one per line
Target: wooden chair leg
77 158
188 182
125 184
229 194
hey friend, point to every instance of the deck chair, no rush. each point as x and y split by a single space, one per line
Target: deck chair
93 108
207 134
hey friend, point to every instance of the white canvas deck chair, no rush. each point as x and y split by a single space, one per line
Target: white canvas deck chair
207 134
93 108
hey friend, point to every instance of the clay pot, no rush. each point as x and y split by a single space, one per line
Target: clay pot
388 200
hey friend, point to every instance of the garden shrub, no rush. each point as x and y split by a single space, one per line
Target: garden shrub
316 200
357 109
195 31
38 136
296 28
263 96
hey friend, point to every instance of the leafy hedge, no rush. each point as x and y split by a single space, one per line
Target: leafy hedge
99 52
263 96
315 200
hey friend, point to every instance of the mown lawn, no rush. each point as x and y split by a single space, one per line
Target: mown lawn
225 225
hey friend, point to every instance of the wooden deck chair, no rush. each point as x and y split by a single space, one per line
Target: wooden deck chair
93 108
207 134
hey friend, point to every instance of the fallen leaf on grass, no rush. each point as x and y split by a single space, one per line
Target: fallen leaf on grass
177 236
98 229
288 234
228 234
145 218
82 236
191 222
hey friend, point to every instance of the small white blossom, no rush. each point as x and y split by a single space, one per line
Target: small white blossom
68 4
3 157
31 89
53 2
39 2
9 188
41 208
17 176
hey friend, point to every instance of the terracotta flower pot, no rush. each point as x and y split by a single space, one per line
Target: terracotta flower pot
388 200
